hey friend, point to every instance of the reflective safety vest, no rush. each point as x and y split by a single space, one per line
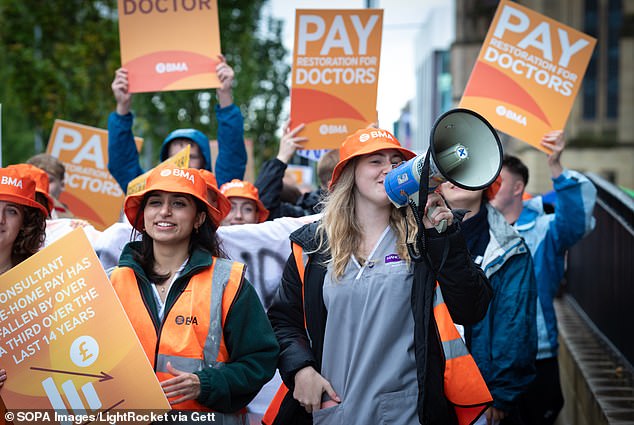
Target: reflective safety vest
191 335
464 386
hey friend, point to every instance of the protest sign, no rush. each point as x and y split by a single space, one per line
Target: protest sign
66 341
90 191
180 159
335 73
528 73
302 174
169 45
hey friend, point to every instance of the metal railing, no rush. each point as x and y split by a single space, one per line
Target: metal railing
600 271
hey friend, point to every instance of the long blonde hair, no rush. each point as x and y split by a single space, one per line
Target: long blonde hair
340 233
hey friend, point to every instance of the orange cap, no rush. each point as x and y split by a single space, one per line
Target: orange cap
493 188
224 204
41 180
243 189
19 189
363 142
170 178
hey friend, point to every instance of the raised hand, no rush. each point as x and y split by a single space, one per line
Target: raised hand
555 141
225 75
120 89
290 142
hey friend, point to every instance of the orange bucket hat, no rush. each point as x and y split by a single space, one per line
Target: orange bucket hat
41 181
363 142
16 188
224 204
243 189
170 178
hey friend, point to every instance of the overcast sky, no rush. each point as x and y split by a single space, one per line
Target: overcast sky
401 22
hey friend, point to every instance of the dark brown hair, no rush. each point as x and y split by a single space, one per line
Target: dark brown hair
515 166
31 236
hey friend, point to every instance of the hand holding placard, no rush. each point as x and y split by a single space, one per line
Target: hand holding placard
528 73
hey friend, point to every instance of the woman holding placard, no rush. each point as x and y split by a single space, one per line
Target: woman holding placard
22 223
200 322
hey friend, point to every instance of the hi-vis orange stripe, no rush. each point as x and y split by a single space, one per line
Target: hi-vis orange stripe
464 386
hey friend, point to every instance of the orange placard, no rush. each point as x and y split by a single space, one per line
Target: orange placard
169 45
90 191
335 73
66 341
528 73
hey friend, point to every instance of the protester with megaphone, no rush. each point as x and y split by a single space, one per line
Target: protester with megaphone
504 343
352 320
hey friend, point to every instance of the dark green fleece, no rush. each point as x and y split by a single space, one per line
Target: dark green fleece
248 335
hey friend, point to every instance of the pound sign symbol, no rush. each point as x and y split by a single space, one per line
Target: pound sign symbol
85 355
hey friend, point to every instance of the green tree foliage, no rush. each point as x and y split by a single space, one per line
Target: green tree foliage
55 55
58 61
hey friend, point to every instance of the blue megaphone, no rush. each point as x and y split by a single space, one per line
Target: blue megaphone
465 150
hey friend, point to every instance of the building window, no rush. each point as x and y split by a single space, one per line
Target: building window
615 21
591 27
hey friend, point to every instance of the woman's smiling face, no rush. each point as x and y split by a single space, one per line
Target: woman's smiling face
171 217
370 173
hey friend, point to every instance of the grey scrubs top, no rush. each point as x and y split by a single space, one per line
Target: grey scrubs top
368 352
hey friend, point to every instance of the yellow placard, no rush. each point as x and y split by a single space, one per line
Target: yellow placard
66 341
169 45
180 159
335 73
90 191
528 73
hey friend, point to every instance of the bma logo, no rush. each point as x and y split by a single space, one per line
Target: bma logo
11 181
333 129
375 134
163 67
511 115
232 185
189 320
177 172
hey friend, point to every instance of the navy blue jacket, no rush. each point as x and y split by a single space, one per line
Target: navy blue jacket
504 343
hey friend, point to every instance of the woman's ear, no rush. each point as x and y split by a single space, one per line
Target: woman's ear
200 219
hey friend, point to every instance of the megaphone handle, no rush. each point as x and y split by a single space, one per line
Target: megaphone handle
440 227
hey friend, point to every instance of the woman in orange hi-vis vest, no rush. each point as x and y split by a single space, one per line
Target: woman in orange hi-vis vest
359 342
199 321
22 223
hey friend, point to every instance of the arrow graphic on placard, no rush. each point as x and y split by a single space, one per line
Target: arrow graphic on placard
101 412
102 375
